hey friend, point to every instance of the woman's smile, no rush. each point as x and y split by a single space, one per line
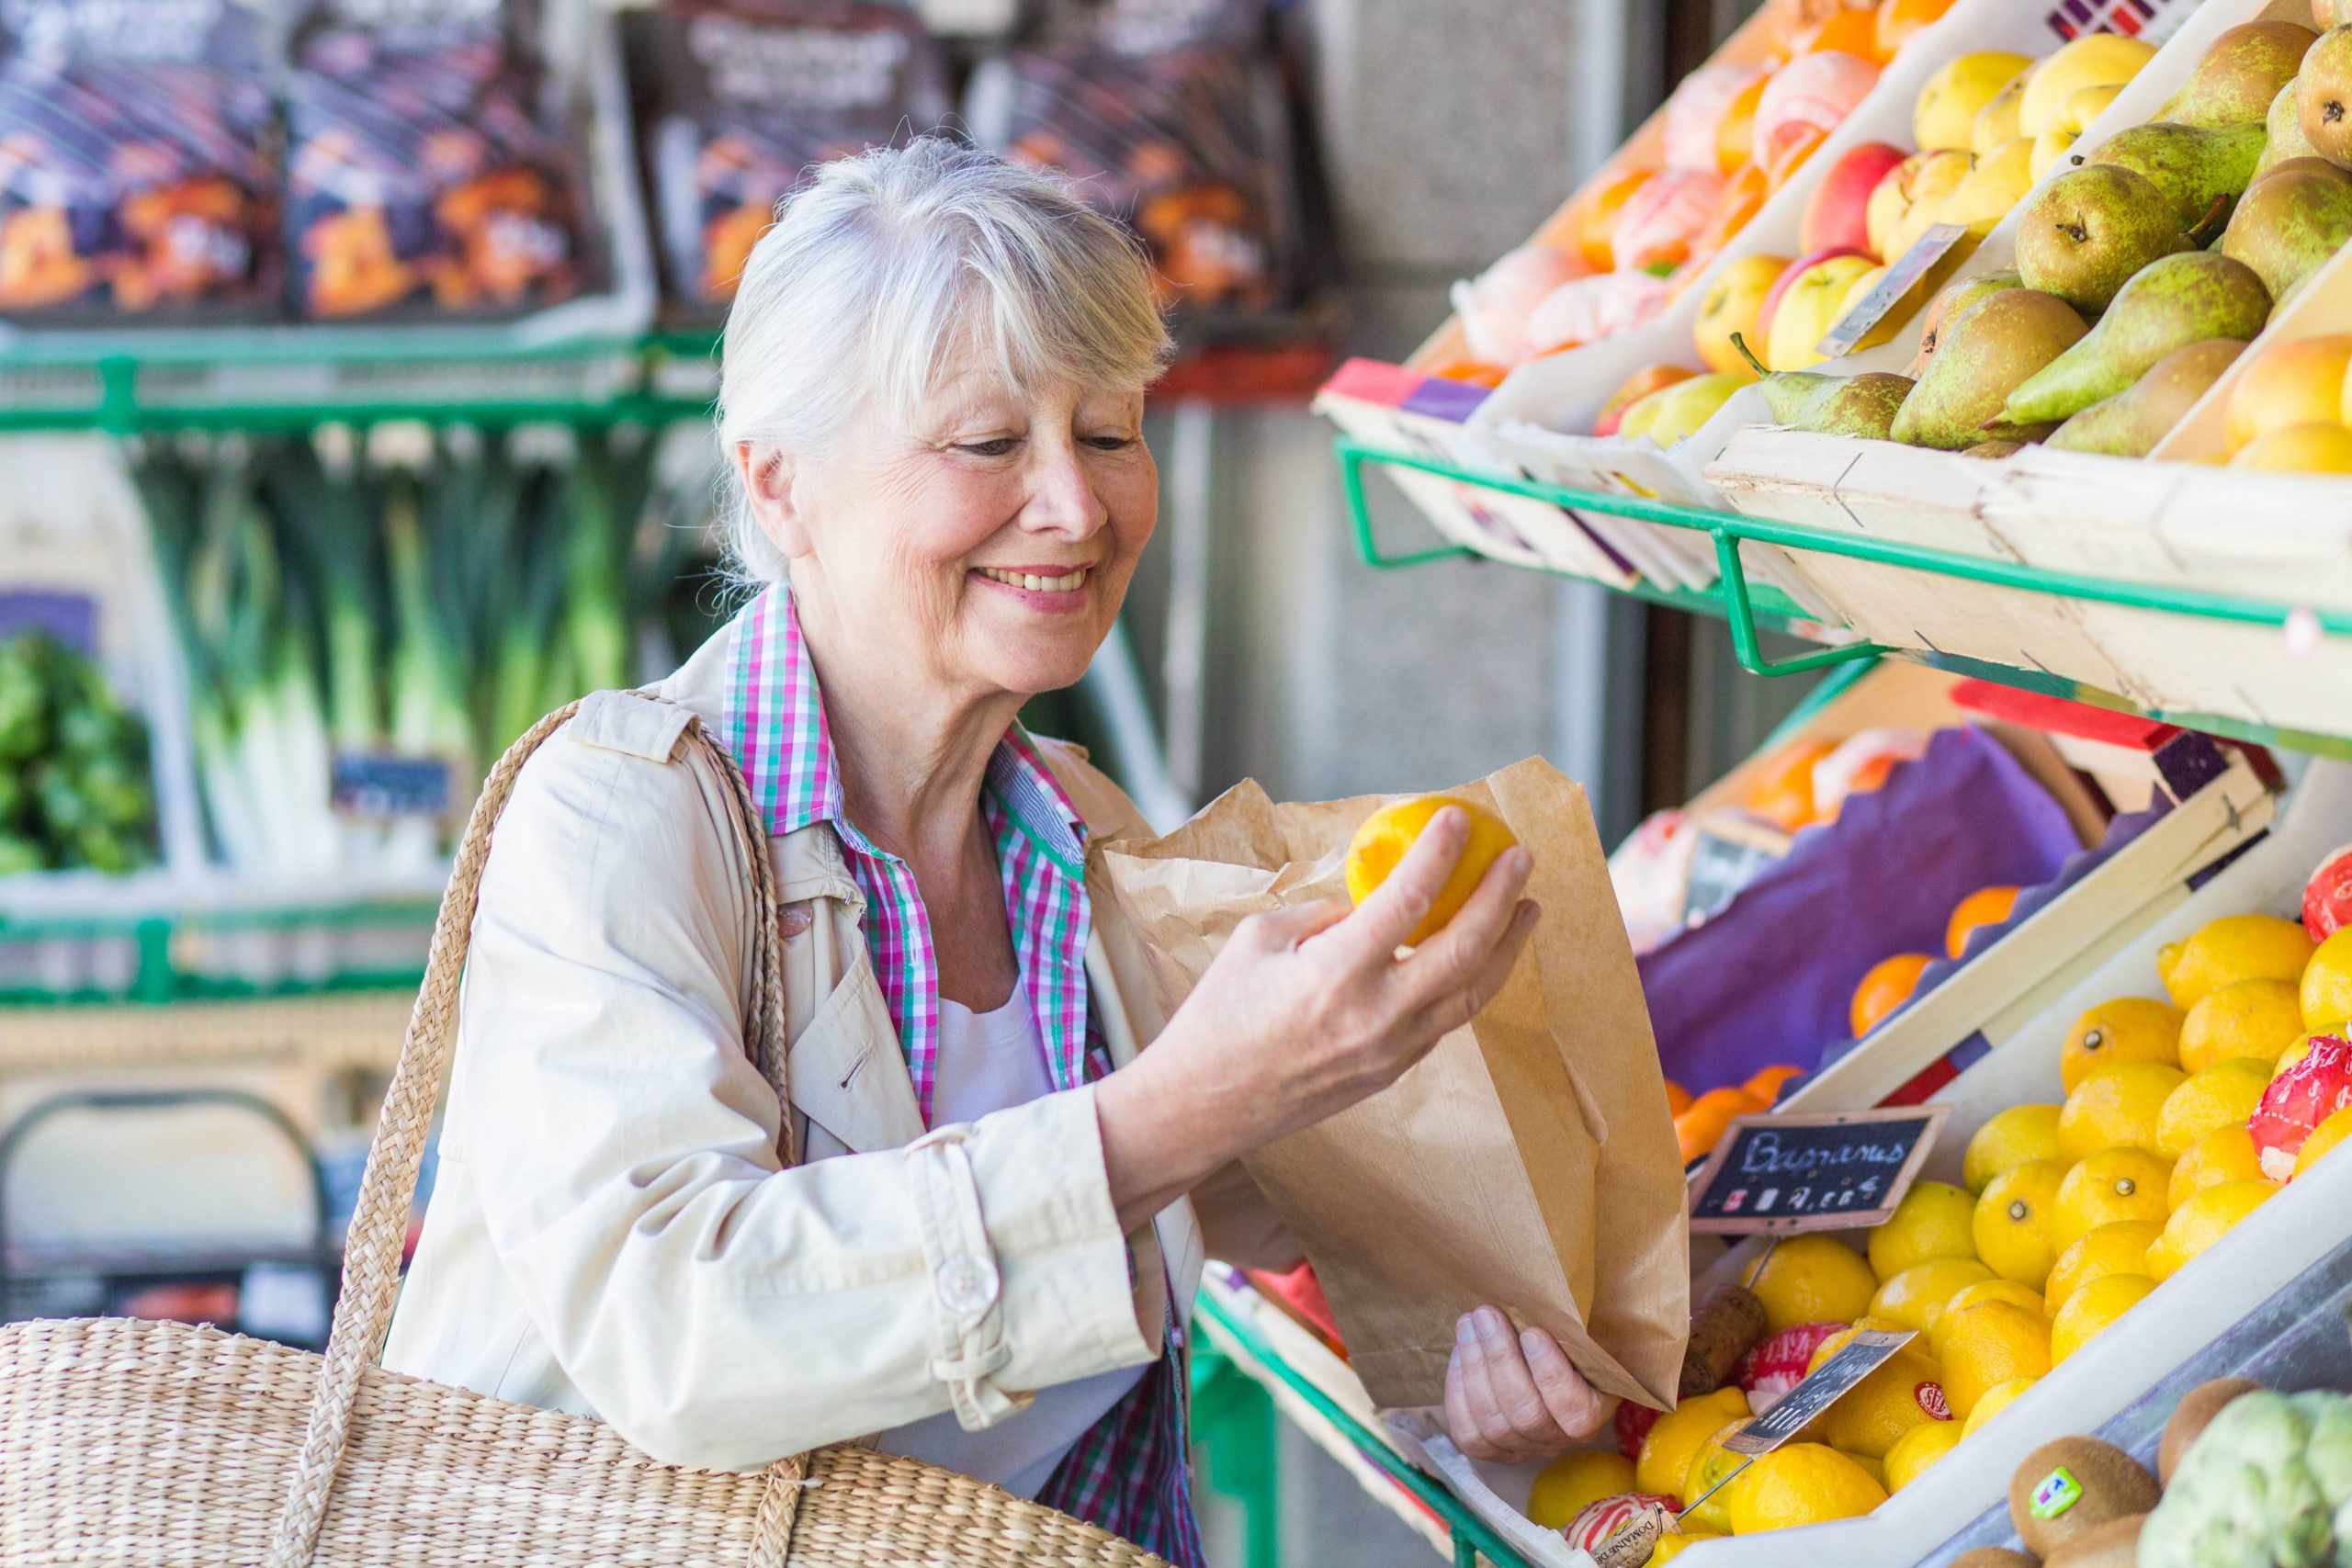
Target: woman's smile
1056 590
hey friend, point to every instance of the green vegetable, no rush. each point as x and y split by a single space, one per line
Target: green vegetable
76 793
2267 1484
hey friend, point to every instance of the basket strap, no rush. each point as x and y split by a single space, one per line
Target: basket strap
379 1222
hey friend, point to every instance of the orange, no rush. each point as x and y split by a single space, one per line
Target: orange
1595 220
2224 1095
2008 1139
1471 372
1767 1082
1887 986
1801 1483
1699 1129
1580 1476
2121 1102
1898 19
2129 1029
1985 907
1797 145
2225 1153
1811 1278
1743 194
1735 131
1678 1098
2112 1186
2090 1310
2120 1248
1388 833
2323 1138
2011 1225
1782 790
2251 1017
1987 1346
1847 32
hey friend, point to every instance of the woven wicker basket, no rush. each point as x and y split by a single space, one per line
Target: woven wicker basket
162 1445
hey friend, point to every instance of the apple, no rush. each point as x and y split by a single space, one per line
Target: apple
1836 213
1997 182
1808 308
1903 204
1781 285
1668 416
1639 385
1735 304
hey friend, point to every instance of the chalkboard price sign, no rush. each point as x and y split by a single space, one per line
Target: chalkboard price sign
1829 1170
1823 1386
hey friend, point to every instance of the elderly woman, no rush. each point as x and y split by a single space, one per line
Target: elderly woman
932 405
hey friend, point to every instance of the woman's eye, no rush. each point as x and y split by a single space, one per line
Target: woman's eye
1110 443
996 447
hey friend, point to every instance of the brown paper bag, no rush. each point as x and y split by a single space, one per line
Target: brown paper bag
1528 1161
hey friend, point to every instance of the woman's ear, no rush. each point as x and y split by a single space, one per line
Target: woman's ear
767 475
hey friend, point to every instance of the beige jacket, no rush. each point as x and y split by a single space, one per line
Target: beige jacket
610 1231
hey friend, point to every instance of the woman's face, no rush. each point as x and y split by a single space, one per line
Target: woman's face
988 541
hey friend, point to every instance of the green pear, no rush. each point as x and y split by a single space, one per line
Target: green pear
2172 301
1988 350
1949 302
2130 424
2283 131
1860 405
2086 232
2240 73
1993 449
2196 166
2323 96
2290 222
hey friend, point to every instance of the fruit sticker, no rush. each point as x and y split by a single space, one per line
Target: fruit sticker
1931 1399
2057 1492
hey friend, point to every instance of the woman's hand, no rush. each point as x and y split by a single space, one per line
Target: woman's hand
1304 1012
1509 1398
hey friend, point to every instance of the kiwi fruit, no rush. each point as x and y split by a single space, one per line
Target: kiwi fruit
2197 1407
2113 1484
2115 1544
1994 1557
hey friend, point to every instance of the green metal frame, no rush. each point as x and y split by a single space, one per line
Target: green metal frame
1746 607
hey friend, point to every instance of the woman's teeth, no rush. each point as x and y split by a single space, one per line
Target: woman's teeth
1036 584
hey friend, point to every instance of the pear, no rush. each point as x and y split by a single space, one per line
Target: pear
1860 405
2323 96
2283 131
2241 72
1993 449
2196 166
1987 351
2290 222
2172 302
1947 306
2130 424
2083 234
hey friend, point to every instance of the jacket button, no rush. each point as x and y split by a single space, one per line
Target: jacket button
967 1284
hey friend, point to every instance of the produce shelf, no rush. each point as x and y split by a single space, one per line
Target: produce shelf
1748 606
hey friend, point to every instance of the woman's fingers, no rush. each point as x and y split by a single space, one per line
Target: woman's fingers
1575 1406
1277 931
1385 919
1450 1008
1513 1385
1454 958
1488 1425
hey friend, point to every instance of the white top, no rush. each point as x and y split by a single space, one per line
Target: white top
988 1061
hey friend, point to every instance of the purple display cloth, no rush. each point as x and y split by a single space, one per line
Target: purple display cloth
1771 979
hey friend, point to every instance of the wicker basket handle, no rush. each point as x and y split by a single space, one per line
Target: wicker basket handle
372 1246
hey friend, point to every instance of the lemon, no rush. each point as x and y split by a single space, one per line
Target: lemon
1801 1483
2112 1185
1994 1290
2202 1221
1811 1278
1917 1449
1710 1466
1875 1469
2129 1029
2006 1141
2290 1055
2224 1095
1670 1547
2120 1248
2233 948
2012 1221
2323 1138
1677 1437
1993 1401
1582 1475
2089 1310
1987 1346
2114 1105
2250 1017
2225 1153
1932 1220
1915 1297
2326 990
1380 845
1907 1392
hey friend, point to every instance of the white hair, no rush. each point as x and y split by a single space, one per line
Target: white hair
884 268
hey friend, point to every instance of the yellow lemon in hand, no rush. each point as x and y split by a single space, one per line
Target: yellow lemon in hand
2091 1309
1917 1449
2013 1219
2323 1138
2233 948
1802 1484
1987 1345
2112 1185
2202 1221
1994 1400
1811 1278
1918 1295
1932 1220
1388 833
2249 1018
2225 1153
2010 1139
2129 1029
2116 1104
2326 990
2120 1248
1677 1437
2224 1095
1582 1475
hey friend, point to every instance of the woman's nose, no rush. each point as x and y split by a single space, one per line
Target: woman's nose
1063 500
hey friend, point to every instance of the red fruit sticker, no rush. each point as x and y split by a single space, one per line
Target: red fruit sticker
2297 1100
2327 896
1930 1395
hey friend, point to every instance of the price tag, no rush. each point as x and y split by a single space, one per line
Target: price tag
70 618
1823 1387
1830 1170
1939 247
1730 854
373 784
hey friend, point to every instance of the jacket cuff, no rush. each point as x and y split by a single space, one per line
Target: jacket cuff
1031 1280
